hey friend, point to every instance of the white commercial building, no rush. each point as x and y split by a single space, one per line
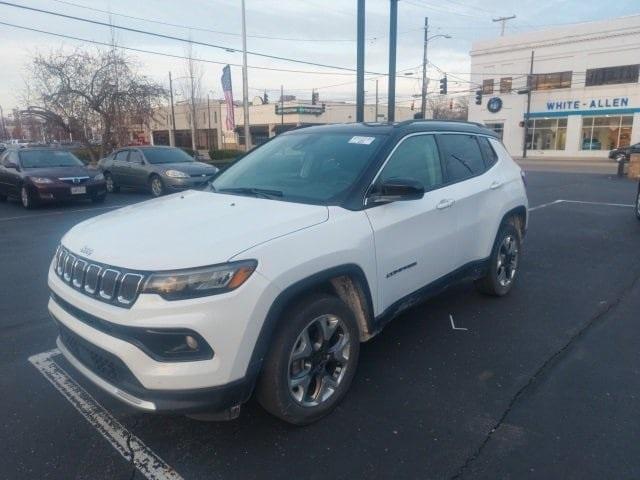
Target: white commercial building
585 96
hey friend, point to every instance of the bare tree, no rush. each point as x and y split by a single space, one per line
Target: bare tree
92 89
452 108
191 89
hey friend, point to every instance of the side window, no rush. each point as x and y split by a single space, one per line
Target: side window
490 155
121 156
462 156
135 157
416 158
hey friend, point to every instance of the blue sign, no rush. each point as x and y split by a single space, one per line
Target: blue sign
494 105
595 103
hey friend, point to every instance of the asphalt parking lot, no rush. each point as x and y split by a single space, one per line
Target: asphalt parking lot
544 383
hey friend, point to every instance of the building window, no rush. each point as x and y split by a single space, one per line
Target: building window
505 85
487 86
496 127
606 133
547 134
612 75
550 81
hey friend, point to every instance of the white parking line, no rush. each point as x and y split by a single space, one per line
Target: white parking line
125 442
59 212
584 202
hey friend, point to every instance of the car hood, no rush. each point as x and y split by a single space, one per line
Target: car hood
61 172
189 229
191 168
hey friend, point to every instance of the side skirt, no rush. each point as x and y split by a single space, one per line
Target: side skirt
470 271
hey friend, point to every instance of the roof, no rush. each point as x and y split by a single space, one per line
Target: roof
408 126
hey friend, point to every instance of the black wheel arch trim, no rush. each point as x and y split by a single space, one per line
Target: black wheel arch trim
295 291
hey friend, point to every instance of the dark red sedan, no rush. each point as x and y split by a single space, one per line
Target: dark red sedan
36 175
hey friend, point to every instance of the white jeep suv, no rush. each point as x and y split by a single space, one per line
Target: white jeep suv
299 251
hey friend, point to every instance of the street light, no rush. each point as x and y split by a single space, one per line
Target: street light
425 62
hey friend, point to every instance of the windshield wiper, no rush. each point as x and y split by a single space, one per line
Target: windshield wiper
255 192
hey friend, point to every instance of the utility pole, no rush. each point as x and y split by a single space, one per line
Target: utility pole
282 106
3 125
393 39
423 108
209 129
245 83
172 132
360 64
377 101
503 20
526 118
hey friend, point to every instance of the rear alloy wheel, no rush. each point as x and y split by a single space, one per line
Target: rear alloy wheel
110 184
312 361
503 264
156 186
638 204
26 197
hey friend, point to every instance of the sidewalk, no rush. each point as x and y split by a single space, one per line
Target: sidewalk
563 164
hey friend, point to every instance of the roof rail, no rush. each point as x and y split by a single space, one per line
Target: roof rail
427 120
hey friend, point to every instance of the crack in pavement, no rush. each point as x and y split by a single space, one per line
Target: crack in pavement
544 369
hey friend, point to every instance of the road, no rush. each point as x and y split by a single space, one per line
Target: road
542 384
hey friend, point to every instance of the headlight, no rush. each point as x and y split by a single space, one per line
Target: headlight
41 180
176 174
98 177
199 282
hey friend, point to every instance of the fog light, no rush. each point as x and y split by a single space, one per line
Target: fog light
192 343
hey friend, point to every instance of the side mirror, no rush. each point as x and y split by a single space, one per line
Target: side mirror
12 165
396 190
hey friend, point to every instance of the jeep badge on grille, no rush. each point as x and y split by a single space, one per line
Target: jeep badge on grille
86 250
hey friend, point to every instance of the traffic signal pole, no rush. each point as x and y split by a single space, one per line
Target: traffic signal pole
393 40
360 64
526 118
423 108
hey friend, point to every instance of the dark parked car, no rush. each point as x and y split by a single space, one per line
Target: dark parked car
36 175
623 154
159 169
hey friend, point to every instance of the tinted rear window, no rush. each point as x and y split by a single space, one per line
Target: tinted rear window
462 156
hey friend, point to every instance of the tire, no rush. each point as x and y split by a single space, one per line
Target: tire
305 376
156 186
98 199
110 183
503 263
26 198
638 203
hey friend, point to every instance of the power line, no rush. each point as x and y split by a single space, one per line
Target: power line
170 37
202 29
152 52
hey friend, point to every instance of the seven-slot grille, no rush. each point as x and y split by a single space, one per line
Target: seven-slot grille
111 285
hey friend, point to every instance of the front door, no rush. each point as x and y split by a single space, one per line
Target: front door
415 240
137 171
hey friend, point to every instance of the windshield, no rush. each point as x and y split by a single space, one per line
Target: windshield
166 155
48 158
304 167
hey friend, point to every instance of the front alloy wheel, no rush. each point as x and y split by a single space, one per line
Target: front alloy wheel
26 198
157 188
318 360
638 204
311 360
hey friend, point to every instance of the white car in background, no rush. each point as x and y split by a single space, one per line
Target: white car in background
300 251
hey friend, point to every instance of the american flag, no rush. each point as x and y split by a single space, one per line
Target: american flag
228 96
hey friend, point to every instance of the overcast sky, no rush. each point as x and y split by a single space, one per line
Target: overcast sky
321 31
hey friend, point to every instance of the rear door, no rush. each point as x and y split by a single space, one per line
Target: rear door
137 169
476 185
120 167
415 240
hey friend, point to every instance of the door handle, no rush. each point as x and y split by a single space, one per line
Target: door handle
445 204
495 185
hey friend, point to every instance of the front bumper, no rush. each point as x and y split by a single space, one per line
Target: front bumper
61 191
187 183
227 322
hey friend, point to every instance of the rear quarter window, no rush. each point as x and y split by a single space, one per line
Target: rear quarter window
489 154
462 156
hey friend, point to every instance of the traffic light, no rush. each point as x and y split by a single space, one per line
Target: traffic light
478 97
443 85
315 96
